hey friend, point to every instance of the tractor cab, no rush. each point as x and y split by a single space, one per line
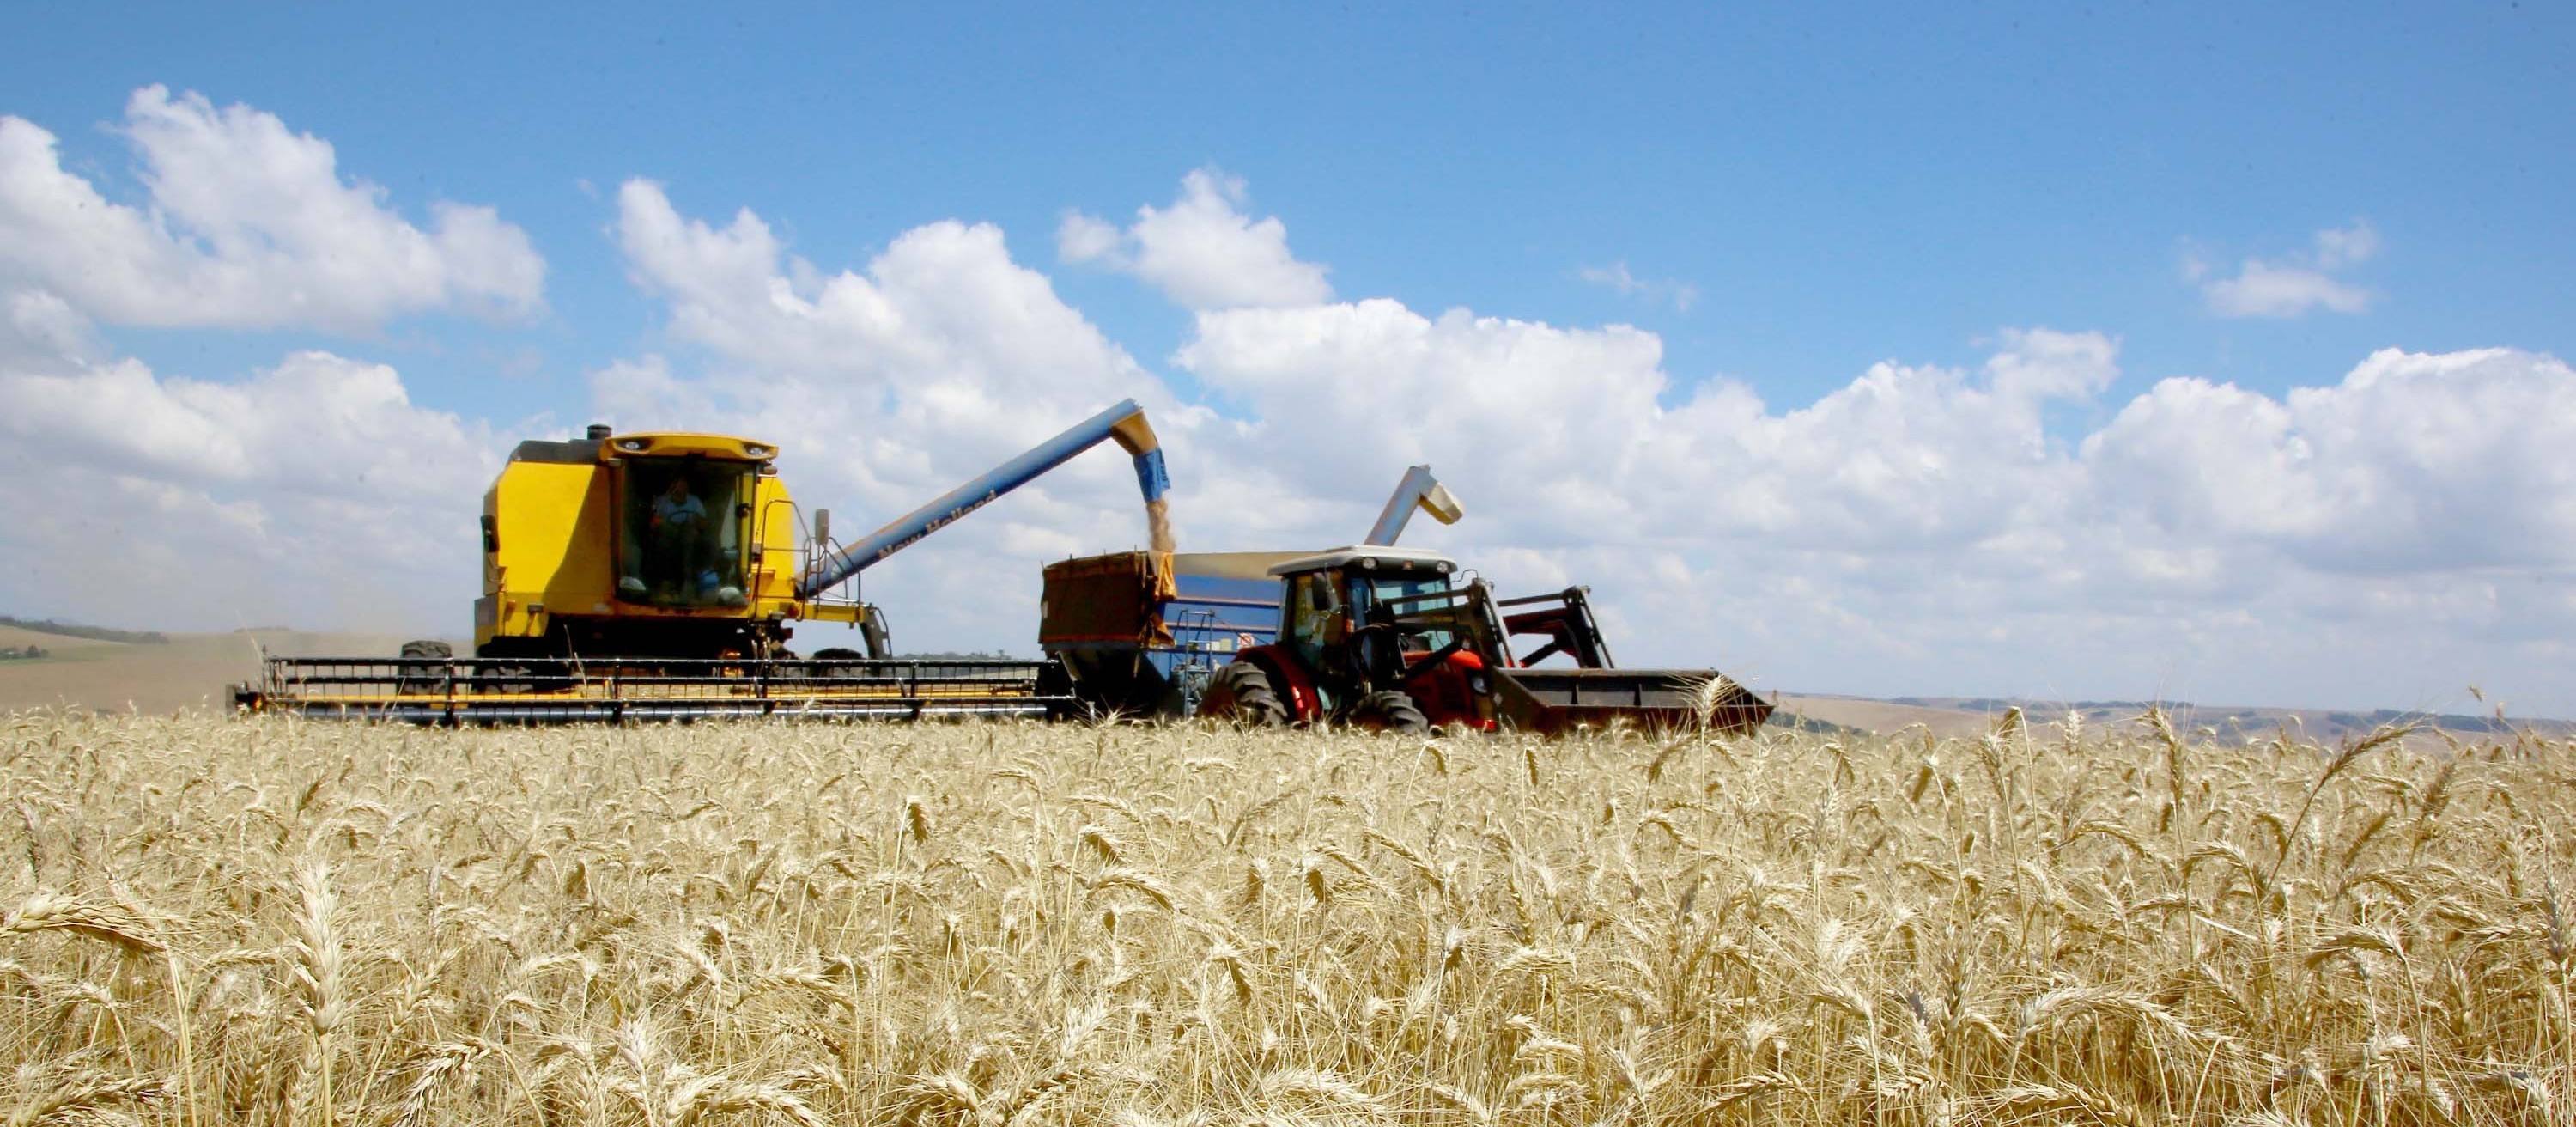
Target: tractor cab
1331 600
1375 618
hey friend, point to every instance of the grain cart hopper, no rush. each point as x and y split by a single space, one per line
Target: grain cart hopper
661 575
1141 633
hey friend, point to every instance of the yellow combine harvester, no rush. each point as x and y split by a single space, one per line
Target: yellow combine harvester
661 575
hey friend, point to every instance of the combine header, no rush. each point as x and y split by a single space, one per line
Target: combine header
567 691
659 576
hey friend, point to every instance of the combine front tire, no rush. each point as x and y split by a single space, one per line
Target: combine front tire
1390 712
1241 693
826 662
424 670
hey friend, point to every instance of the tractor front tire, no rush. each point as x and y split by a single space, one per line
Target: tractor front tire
1390 711
1241 693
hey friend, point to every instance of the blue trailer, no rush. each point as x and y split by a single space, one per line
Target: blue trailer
1142 632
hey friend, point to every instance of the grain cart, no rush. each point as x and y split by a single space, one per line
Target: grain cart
661 575
1142 633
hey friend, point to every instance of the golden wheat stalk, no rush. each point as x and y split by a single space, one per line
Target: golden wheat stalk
46 911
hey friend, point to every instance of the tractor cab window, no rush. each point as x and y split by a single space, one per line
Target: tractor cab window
682 535
1397 596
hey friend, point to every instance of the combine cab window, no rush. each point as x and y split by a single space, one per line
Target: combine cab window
684 533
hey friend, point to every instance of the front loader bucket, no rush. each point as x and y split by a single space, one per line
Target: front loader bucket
557 691
1562 700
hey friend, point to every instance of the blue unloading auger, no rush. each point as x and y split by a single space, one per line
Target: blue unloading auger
1124 422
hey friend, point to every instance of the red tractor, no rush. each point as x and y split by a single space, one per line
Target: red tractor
1389 638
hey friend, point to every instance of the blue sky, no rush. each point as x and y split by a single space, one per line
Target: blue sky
1780 198
1840 190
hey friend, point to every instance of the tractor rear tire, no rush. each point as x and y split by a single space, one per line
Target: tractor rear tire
1241 694
1390 711
424 671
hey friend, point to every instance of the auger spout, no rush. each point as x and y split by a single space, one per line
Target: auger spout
1124 423
1418 490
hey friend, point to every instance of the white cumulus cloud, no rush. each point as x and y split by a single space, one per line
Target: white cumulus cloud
1203 252
1572 430
1618 278
1927 525
312 493
886 386
247 225
2300 284
2458 460
942 334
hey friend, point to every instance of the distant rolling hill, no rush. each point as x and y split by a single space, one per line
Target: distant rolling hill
186 670
1961 716
89 633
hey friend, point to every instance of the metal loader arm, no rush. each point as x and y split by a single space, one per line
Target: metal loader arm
1568 627
1418 490
1124 422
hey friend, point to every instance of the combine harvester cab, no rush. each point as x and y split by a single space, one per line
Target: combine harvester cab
659 577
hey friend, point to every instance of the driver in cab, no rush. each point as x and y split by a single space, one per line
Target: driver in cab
679 521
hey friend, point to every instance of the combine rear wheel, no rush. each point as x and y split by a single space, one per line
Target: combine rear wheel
1390 711
1241 693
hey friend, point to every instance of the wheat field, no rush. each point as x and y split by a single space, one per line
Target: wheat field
210 920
